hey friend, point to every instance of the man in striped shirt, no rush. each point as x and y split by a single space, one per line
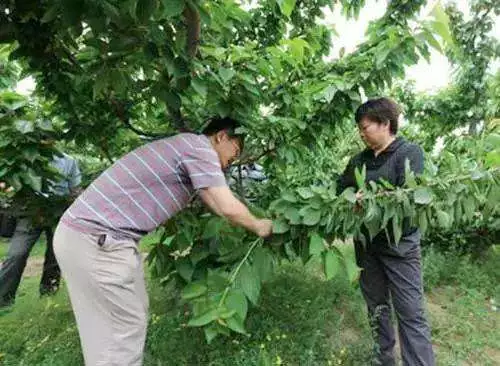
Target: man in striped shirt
96 239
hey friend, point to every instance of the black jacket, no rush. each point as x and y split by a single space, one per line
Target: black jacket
389 165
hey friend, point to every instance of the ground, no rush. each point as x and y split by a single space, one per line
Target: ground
301 320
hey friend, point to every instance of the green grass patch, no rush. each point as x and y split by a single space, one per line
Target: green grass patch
301 320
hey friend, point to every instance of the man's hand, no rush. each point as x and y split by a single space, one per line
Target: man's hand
222 201
264 228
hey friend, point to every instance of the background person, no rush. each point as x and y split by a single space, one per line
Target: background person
29 229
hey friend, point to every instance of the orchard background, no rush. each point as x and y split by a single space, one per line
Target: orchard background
112 75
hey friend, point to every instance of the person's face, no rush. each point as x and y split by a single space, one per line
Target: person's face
228 148
373 133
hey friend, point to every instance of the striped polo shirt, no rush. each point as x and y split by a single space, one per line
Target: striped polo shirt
146 187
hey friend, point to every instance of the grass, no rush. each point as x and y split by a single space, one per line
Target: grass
301 320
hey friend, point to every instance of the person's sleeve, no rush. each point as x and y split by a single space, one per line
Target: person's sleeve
415 156
345 177
203 167
75 178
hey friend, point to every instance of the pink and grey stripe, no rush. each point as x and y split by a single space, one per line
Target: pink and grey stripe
146 187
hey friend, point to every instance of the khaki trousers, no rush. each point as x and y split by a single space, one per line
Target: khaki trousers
105 281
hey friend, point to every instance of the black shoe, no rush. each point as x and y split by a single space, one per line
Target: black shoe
48 290
6 306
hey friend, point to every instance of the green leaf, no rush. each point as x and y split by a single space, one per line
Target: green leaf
396 229
316 245
168 240
381 56
332 263
423 195
280 226
184 268
199 86
210 333
444 219
469 207
429 37
327 94
442 30
193 290
286 7
311 216
204 319
173 7
33 180
237 301
263 263
297 46
349 195
172 99
226 74
292 215
52 12
373 219
249 282
145 9
305 192
423 222
236 323
289 196
352 270
212 228
360 176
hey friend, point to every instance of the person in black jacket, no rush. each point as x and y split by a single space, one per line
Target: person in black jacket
390 270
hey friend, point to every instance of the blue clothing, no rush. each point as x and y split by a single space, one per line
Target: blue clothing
68 167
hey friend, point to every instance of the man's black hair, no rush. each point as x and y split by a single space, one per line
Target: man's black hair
380 110
217 124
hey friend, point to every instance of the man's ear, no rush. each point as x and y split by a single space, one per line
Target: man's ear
219 136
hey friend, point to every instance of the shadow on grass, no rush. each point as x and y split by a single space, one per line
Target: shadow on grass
300 320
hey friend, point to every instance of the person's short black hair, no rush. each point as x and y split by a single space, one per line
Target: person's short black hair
380 110
228 124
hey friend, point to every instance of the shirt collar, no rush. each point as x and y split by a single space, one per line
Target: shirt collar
393 146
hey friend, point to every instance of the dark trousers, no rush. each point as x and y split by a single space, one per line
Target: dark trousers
395 273
21 243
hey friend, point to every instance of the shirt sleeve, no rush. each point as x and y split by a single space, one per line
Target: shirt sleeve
75 176
203 167
415 156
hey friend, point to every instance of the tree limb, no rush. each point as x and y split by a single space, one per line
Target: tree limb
192 19
122 116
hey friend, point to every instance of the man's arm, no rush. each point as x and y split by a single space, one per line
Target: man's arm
223 202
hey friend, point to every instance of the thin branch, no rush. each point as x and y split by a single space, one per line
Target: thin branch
237 270
120 113
253 159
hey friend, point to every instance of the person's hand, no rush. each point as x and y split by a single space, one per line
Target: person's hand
5 188
359 195
264 228
358 206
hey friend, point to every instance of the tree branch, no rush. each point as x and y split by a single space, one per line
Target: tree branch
122 116
253 159
192 18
